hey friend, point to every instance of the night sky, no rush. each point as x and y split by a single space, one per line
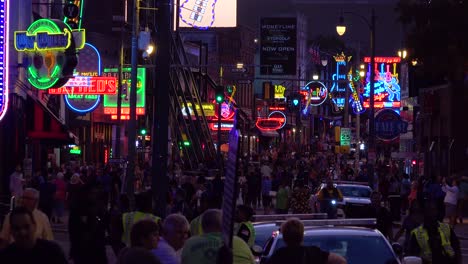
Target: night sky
323 16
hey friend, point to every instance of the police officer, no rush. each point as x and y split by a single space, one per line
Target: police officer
328 197
433 241
243 227
144 206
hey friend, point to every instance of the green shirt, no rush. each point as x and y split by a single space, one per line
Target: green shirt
282 198
204 249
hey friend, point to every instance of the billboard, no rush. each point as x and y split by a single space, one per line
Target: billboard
278 37
204 14
387 84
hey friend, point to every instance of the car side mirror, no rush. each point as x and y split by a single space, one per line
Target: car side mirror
257 250
397 248
412 260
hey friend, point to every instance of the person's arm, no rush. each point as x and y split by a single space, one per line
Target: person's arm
335 259
340 195
244 233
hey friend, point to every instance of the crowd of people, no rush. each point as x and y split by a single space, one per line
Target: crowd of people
103 225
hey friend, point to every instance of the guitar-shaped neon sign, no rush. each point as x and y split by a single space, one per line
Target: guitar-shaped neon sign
198 13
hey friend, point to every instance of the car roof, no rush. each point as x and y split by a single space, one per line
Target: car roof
340 231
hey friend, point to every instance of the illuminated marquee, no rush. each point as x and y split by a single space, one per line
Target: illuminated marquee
279 91
89 65
50 51
224 126
204 14
110 101
87 85
280 115
208 109
386 85
4 53
338 90
271 123
316 94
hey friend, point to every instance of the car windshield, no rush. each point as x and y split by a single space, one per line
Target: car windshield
355 249
353 191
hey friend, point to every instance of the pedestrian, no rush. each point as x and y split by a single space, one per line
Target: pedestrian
73 191
282 198
450 200
295 252
28 200
414 219
405 190
27 247
87 226
46 199
204 248
144 238
381 214
16 182
175 233
243 226
254 181
144 208
300 199
434 241
267 194
462 197
59 198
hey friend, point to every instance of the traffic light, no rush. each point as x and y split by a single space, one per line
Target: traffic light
219 94
186 143
143 131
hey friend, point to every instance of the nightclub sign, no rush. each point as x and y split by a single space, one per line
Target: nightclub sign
50 48
87 85
89 66
4 53
316 95
389 125
386 86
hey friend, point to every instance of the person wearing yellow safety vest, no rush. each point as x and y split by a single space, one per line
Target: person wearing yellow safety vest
143 204
243 227
206 202
433 241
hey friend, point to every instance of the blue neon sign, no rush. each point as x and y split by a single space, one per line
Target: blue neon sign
4 53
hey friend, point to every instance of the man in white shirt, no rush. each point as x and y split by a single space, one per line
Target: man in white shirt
16 182
29 200
266 170
450 200
175 232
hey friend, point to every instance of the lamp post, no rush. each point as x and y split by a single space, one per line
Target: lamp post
341 29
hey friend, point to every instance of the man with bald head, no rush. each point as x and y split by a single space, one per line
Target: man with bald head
29 200
205 247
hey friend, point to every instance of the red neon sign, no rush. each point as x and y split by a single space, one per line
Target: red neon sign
224 126
87 85
272 123
123 111
383 59
122 117
278 108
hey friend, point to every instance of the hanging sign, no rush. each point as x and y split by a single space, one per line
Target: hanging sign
49 47
389 125
89 66
345 136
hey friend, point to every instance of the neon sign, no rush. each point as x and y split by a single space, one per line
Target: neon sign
224 126
389 125
386 85
89 64
4 53
356 98
340 83
269 123
279 91
316 95
227 111
111 100
50 51
87 85
208 109
280 115
198 13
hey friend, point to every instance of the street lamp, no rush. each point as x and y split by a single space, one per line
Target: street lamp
402 54
341 29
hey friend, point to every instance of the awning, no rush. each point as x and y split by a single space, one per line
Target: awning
269 133
47 127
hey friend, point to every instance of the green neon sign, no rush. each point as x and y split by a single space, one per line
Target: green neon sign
45 43
111 100
75 151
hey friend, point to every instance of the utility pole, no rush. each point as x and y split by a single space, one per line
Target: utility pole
119 91
371 101
129 179
160 137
